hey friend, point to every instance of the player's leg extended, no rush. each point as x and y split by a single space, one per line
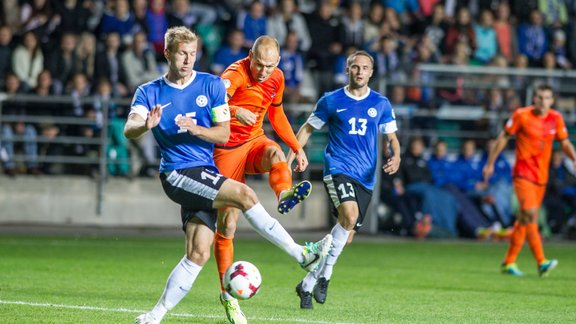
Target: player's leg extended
223 239
267 156
198 242
236 194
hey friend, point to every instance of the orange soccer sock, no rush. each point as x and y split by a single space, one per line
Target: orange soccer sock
535 242
224 254
280 177
516 241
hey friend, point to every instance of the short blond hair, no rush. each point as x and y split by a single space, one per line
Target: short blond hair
178 35
359 53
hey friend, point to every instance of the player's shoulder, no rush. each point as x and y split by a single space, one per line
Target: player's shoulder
151 85
555 113
208 77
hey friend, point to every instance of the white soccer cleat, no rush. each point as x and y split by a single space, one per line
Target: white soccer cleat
315 253
146 319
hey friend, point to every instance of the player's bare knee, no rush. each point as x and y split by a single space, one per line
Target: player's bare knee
275 155
198 256
248 197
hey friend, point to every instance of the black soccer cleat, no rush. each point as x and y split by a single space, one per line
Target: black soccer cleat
320 290
305 297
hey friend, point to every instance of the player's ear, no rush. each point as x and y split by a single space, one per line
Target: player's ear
166 53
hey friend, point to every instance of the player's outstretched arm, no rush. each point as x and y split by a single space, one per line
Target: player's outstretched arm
302 136
217 134
501 142
392 164
136 126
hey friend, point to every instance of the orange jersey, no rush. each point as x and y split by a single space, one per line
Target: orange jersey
245 92
534 137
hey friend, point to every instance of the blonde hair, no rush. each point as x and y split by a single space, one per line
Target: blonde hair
178 35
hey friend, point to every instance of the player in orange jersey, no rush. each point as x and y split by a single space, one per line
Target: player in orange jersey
255 86
535 128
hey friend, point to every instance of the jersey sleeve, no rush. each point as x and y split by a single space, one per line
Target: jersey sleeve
279 94
388 121
320 115
139 105
561 131
233 79
220 111
513 124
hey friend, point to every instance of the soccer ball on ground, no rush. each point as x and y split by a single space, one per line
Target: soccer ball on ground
242 280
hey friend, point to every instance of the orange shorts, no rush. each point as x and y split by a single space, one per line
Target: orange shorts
530 194
236 162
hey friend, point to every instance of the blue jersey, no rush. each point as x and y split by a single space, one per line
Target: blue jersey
202 99
353 126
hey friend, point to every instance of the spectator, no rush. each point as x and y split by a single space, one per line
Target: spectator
436 27
532 40
560 198
18 128
157 25
554 13
6 49
487 44
86 55
139 63
372 25
73 15
7 16
387 60
229 53
109 65
505 33
353 26
558 47
326 35
460 31
252 23
120 21
28 60
288 19
63 62
292 64
38 16
407 10
139 10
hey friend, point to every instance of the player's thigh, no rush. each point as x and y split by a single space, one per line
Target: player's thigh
348 199
232 162
529 194
199 239
235 194
263 153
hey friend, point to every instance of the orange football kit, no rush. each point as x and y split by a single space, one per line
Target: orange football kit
534 138
244 151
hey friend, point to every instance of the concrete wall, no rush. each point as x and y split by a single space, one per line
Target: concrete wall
127 203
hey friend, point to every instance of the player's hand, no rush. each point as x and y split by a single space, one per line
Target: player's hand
487 172
154 116
188 124
301 161
245 116
392 165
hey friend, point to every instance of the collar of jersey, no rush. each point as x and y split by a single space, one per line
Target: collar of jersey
178 86
354 97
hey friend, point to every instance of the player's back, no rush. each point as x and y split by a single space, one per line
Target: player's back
243 91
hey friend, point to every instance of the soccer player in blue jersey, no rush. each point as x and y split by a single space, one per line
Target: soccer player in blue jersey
355 115
187 114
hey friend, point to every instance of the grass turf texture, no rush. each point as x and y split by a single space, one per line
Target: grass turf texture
110 280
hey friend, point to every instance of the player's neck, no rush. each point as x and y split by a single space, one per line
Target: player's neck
176 79
357 92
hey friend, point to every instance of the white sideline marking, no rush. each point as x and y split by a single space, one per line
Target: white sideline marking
127 310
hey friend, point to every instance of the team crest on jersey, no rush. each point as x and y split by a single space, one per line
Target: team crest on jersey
201 101
226 83
372 112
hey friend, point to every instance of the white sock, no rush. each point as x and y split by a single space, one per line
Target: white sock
179 283
339 238
269 228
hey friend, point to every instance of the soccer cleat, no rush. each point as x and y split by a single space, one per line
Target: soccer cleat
290 198
233 311
146 319
546 266
315 253
320 291
512 269
305 297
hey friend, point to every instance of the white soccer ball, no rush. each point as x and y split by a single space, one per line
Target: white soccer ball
242 280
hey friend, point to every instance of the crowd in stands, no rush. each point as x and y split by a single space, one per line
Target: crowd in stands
104 49
442 194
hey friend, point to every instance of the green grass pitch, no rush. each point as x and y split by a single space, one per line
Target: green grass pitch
95 279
